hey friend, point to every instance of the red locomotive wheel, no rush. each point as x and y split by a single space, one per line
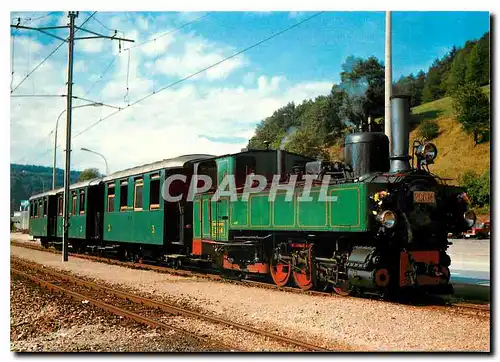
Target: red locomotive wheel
280 273
303 279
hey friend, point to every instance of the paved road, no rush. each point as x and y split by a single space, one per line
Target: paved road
470 261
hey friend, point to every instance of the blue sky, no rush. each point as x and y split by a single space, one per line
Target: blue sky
218 110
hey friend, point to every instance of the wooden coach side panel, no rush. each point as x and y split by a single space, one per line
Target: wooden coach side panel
133 224
38 225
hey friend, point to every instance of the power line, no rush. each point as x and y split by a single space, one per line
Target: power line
202 70
168 32
48 56
101 76
104 26
38 66
37 95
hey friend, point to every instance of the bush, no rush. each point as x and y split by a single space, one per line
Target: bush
428 130
477 187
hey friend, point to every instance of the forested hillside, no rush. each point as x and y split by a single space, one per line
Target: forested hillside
27 180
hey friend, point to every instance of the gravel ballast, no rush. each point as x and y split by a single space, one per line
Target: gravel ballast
45 322
355 323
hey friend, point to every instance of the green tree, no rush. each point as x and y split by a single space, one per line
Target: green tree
89 174
474 70
432 87
478 65
477 187
362 82
456 77
473 110
428 129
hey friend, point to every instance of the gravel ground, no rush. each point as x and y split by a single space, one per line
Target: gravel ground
44 322
333 322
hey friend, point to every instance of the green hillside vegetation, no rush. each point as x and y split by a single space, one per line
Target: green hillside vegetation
27 180
456 150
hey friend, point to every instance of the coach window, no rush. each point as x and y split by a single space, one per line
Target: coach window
73 204
111 197
154 192
82 202
33 209
40 209
44 207
123 195
60 203
138 194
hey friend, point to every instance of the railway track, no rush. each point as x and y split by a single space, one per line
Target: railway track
462 308
138 302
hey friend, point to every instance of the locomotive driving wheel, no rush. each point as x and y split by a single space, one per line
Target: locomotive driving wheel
280 272
302 269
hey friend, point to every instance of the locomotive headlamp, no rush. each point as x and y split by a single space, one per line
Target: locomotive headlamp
427 152
387 218
470 218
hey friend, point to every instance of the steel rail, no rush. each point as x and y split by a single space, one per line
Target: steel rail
104 306
170 308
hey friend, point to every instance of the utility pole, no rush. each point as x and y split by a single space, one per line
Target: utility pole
67 166
71 39
388 76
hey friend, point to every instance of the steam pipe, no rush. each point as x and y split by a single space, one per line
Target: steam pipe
400 133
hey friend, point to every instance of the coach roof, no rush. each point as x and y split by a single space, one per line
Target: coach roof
177 162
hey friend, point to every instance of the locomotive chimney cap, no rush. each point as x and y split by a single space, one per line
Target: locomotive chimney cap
404 95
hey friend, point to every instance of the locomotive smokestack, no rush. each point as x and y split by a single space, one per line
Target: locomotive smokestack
280 161
400 123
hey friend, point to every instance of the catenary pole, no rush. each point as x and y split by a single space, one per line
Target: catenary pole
69 97
388 76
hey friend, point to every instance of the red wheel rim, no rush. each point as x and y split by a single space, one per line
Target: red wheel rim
280 274
303 279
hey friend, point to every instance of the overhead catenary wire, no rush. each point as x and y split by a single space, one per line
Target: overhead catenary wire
37 95
12 56
38 66
168 32
201 71
48 56
126 98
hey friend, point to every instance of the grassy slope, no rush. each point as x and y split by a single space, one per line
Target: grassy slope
456 151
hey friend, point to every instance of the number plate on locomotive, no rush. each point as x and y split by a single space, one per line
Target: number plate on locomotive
424 197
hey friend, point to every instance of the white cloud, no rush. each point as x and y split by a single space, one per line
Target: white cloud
173 122
91 45
198 54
